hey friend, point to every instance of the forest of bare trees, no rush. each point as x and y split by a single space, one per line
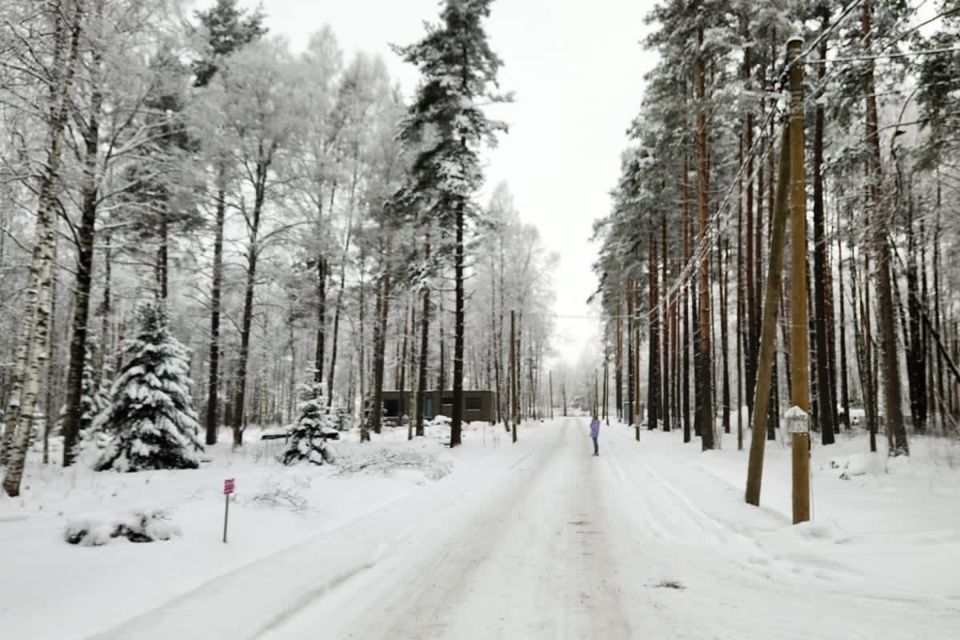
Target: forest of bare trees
268 199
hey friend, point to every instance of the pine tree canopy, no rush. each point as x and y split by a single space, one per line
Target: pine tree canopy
458 68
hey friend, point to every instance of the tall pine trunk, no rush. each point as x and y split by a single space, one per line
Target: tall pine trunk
844 388
703 362
213 374
888 339
653 340
424 346
824 382
456 423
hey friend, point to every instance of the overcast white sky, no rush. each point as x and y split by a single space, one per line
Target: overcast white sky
577 70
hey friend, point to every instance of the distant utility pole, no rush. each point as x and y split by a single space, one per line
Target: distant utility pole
563 392
799 322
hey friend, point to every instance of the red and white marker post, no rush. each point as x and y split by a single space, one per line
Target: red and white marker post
227 490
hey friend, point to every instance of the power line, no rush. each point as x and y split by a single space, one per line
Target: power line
880 56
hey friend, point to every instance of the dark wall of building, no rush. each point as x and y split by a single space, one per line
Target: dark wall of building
478 406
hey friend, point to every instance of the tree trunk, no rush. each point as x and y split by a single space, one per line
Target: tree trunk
213 374
339 305
667 306
685 364
618 363
84 277
878 220
844 388
653 340
456 423
379 350
725 380
408 320
163 259
105 311
321 318
916 351
821 275
630 358
253 253
424 346
514 384
704 365
31 352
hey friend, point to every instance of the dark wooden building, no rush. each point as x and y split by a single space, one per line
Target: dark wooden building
477 405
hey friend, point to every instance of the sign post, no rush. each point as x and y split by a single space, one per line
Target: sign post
227 490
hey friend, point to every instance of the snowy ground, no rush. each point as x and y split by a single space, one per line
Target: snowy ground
494 540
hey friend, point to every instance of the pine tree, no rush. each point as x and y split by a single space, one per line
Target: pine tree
308 436
151 417
458 68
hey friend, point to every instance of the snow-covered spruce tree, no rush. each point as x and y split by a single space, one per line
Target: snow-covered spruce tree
307 440
447 122
151 417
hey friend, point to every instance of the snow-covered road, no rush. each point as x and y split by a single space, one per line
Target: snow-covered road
550 542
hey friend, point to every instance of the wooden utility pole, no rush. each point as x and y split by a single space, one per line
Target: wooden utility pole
768 332
799 323
513 375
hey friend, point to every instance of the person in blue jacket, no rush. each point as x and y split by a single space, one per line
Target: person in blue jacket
595 433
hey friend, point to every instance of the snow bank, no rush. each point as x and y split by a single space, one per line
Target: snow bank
94 530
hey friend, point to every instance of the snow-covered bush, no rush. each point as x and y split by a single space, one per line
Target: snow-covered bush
151 421
94 530
386 460
308 437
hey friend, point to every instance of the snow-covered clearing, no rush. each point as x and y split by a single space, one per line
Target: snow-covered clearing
533 540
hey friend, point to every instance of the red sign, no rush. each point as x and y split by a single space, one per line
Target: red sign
228 486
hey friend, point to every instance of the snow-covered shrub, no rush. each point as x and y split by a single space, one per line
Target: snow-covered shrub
151 421
274 495
386 460
94 530
859 464
308 437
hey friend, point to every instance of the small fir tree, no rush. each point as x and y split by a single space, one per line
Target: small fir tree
151 420
307 437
